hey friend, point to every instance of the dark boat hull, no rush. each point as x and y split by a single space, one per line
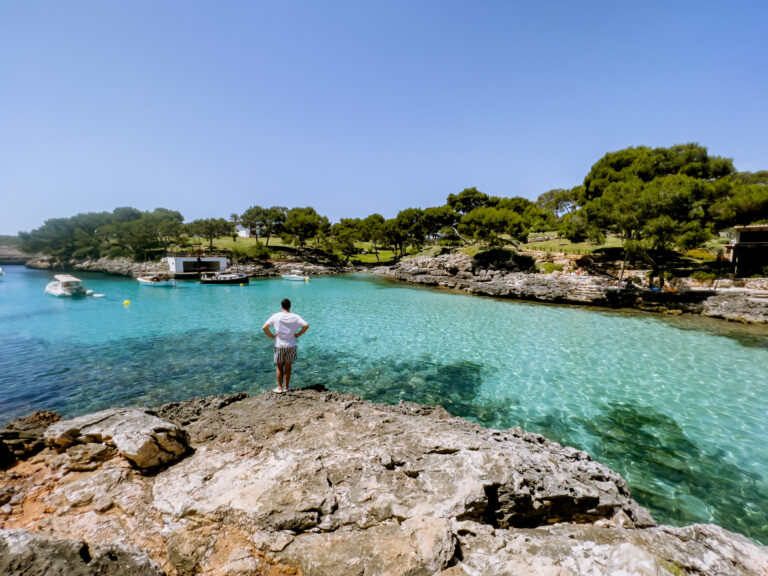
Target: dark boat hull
243 280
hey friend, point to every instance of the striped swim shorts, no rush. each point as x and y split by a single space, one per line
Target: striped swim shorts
283 355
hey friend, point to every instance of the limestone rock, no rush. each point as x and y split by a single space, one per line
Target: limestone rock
569 549
23 437
421 545
321 483
144 439
38 555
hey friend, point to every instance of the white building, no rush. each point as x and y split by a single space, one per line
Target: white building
194 265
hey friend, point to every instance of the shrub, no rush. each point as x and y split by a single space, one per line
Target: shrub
548 267
258 251
703 276
503 259
701 255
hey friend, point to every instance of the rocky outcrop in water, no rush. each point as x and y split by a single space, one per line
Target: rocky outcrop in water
744 304
12 255
316 482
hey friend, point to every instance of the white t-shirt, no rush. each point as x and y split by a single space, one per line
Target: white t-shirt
286 324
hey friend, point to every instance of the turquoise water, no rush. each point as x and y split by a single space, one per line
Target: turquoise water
678 406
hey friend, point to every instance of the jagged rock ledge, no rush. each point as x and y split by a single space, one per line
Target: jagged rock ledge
128 267
748 304
315 482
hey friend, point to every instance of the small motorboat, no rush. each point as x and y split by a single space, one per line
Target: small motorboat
156 280
296 275
224 278
2 273
66 285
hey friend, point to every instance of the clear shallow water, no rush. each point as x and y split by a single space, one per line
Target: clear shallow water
677 406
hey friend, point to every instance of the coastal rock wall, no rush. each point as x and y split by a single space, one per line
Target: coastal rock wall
127 267
745 303
319 483
116 266
12 255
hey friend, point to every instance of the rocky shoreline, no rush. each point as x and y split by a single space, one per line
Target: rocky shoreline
747 302
315 482
743 301
128 267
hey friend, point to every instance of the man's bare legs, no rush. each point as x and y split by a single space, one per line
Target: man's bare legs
284 372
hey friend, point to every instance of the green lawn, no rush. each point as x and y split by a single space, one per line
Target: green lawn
563 245
227 243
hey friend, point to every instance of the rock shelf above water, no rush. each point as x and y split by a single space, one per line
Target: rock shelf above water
748 304
316 482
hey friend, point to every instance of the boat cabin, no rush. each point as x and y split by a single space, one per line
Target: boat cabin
748 251
192 266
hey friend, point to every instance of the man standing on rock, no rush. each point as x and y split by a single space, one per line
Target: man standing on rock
285 324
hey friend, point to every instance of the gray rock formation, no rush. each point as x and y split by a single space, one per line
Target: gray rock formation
145 440
319 483
128 267
456 271
23 553
116 266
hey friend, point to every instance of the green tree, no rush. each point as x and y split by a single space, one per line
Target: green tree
210 229
253 219
345 233
411 224
302 224
489 223
467 200
372 230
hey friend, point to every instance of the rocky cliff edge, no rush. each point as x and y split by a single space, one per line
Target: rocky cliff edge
319 483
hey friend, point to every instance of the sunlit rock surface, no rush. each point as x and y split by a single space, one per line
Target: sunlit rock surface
316 482
748 303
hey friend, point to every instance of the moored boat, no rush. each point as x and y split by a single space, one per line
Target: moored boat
156 280
66 285
296 275
224 278
2 273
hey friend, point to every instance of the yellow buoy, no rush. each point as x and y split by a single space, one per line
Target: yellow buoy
241 284
126 302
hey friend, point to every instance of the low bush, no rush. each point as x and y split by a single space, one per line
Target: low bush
503 259
702 276
701 255
548 267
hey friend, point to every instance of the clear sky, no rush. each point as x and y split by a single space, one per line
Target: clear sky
358 106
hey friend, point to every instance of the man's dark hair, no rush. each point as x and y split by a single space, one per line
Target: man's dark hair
286 304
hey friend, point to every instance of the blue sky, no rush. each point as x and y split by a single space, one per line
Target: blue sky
358 107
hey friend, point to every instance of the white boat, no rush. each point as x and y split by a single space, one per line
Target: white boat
156 280
296 275
66 285
2 273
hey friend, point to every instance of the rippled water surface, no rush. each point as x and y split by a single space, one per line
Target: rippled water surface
678 406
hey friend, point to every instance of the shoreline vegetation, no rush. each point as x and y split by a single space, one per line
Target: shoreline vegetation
645 219
318 482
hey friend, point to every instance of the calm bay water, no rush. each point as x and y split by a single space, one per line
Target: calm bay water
678 406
